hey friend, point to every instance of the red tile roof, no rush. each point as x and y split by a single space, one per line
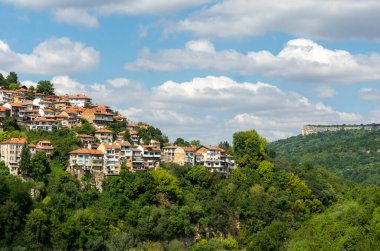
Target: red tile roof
87 151
79 96
15 141
103 131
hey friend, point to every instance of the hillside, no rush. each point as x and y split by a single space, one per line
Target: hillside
353 155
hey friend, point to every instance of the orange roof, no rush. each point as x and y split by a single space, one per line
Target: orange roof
133 133
3 108
111 146
16 104
87 151
48 110
103 131
39 119
79 96
14 141
190 148
216 148
152 148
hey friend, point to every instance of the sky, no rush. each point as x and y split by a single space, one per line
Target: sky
204 69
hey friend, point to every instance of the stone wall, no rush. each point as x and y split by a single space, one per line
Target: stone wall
310 129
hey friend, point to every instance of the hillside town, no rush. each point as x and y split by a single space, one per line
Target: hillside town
104 152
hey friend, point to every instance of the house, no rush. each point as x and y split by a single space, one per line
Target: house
11 153
119 118
214 158
45 146
151 156
79 100
137 161
86 139
86 160
7 96
4 113
15 108
167 154
104 136
45 124
133 126
135 138
99 118
111 158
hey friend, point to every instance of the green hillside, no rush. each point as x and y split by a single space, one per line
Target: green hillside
353 155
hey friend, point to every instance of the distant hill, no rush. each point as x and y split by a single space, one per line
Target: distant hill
354 155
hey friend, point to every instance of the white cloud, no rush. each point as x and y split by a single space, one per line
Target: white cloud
28 83
211 108
75 16
300 60
319 19
369 94
324 92
66 10
53 56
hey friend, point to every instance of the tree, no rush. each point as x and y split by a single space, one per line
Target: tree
3 81
31 88
40 166
85 128
12 78
195 142
10 124
225 145
4 170
249 148
25 161
37 229
127 136
14 86
45 87
181 142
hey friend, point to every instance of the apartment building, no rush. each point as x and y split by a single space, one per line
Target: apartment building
111 158
87 160
214 158
11 153
45 124
104 136
151 156
79 100
97 117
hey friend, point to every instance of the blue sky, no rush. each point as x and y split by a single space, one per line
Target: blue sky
204 69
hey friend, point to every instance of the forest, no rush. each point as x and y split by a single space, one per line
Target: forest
268 203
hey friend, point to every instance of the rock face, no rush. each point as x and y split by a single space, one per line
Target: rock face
310 129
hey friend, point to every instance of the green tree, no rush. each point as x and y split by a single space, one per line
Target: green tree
25 161
249 148
3 81
31 88
86 128
12 78
181 142
13 86
225 145
195 142
37 229
10 124
127 136
45 87
4 170
40 166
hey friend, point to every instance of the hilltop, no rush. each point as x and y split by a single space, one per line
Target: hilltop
351 154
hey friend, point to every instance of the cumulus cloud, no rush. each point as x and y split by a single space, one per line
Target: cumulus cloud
53 56
320 19
65 11
300 60
75 16
369 94
210 108
324 92
28 83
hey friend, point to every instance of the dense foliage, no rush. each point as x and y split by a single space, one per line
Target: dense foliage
354 155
